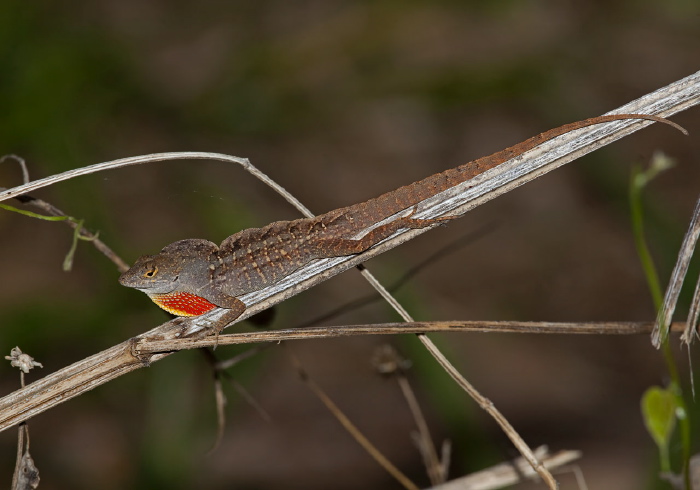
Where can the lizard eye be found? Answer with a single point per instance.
(151, 272)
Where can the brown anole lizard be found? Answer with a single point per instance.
(194, 276)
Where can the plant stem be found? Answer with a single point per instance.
(638, 182)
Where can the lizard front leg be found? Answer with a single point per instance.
(337, 247)
(234, 308)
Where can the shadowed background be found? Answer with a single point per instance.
(339, 101)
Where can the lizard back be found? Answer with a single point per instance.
(254, 258)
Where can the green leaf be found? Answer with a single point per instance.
(659, 411)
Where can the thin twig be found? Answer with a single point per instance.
(488, 406)
(22, 165)
(219, 371)
(143, 350)
(141, 159)
(474, 326)
(351, 428)
(20, 452)
(388, 362)
(436, 471)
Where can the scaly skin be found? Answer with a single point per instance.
(191, 277)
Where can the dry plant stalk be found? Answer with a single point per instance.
(673, 291)
(506, 474)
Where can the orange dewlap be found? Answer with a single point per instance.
(183, 304)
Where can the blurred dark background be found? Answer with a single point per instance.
(339, 101)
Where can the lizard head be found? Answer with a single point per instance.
(153, 274)
(180, 266)
(174, 277)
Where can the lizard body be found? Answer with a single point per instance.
(191, 277)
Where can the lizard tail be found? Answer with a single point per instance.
(392, 202)
(476, 167)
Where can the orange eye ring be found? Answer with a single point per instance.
(151, 272)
